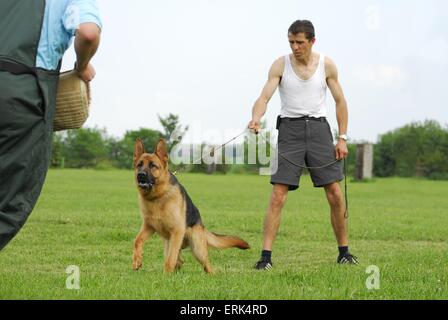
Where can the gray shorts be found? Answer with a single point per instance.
(305, 141)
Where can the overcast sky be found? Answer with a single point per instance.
(207, 61)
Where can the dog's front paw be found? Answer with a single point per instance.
(169, 269)
(179, 264)
(137, 263)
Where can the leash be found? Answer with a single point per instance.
(212, 152)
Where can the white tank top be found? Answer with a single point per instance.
(303, 97)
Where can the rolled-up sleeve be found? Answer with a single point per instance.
(81, 11)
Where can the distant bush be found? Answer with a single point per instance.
(417, 149)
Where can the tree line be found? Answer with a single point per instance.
(419, 149)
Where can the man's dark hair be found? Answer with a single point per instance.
(302, 26)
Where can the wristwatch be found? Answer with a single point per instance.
(343, 137)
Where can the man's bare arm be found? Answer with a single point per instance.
(261, 104)
(341, 105)
(87, 39)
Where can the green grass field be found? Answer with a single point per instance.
(89, 219)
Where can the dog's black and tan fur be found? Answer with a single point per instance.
(167, 210)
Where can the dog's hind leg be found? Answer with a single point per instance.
(173, 250)
(198, 243)
(142, 236)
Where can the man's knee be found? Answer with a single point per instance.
(279, 195)
(334, 193)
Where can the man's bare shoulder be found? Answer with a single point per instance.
(330, 67)
(280, 60)
(278, 66)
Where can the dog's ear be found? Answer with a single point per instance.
(139, 149)
(162, 151)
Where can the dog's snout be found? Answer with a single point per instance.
(145, 180)
(142, 175)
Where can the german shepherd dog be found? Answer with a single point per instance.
(167, 210)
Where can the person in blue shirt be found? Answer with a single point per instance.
(63, 20)
(34, 36)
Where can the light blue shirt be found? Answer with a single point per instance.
(62, 18)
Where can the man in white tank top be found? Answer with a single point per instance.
(305, 136)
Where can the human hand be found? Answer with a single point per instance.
(87, 74)
(254, 126)
(341, 149)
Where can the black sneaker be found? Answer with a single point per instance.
(347, 259)
(264, 264)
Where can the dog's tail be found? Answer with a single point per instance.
(221, 241)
